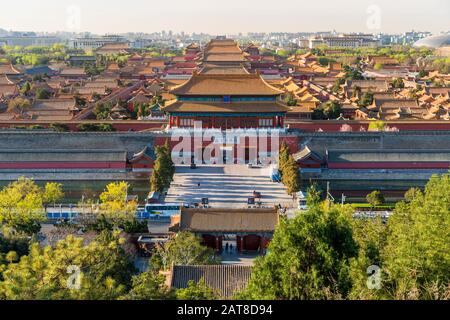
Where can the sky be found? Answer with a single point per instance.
(225, 16)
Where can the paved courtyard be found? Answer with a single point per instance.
(226, 186)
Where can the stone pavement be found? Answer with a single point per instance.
(226, 186)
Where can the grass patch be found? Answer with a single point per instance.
(369, 206)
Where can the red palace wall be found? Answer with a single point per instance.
(304, 125)
(389, 165)
(123, 125)
(63, 165)
(291, 141)
(335, 126)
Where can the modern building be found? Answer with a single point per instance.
(29, 40)
(345, 41)
(95, 42)
(436, 41)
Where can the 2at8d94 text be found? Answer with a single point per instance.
(246, 309)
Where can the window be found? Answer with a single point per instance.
(186, 122)
(266, 122)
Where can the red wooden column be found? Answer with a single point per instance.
(218, 243)
(238, 243)
(242, 244)
(261, 245)
(178, 121)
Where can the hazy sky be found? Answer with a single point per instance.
(225, 16)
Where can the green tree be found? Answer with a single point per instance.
(12, 242)
(308, 257)
(337, 85)
(313, 195)
(283, 156)
(352, 73)
(114, 206)
(80, 101)
(397, 83)
(422, 73)
(291, 176)
(21, 206)
(163, 170)
(411, 194)
(378, 66)
(42, 94)
(375, 198)
(103, 271)
(370, 235)
(184, 249)
(416, 258)
(282, 53)
(196, 291)
(59, 127)
(377, 125)
(366, 99)
(102, 110)
(328, 110)
(93, 127)
(20, 105)
(290, 100)
(25, 88)
(325, 61)
(148, 285)
(52, 192)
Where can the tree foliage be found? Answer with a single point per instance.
(148, 285)
(328, 110)
(21, 206)
(114, 206)
(163, 170)
(95, 127)
(291, 176)
(47, 273)
(196, 291)
(397, 83)
(184, 249)
(375, 198)
(19, 105)
(366, 99)
(377, 125)
(59, 127)
(308, 257)
(416, 258)
(42, 94)
(52, 192)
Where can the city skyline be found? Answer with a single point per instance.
(381, 16)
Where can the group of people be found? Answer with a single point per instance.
(229, 247)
